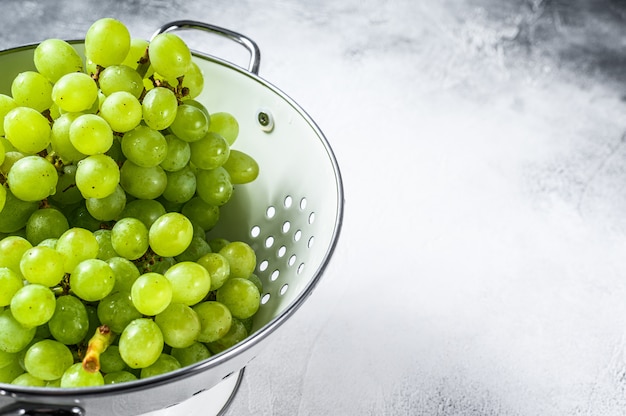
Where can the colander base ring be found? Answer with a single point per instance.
(212, 402)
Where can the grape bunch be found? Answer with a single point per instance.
(111, 175)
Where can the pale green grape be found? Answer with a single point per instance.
(193, 82)
(119, 377)
(118, 78)
(10, 282)
(241, 167)
(170, 234)
(45, 223)
(2, 154)
(109, 207)
(129, 237)
(201, 107)
(15, 213)
(241, 257)
(257, 282)
(190, 124)
(159, 107)
(144, 146)
(215, 320)
(14, 336)
(48, 359)
(226, 125)
(67, 192)
(125, 273)
(107, 42)
(181, 185)
(33, 305)
(202, 213)
(75, 92)
(141, 343)
(70, 322)
(105, 247)
(169, 55)
(32, 178)
(76, 245)
(94, 322)
(31, 89)
(145, 210)
(91, 134)
(151, 293)
(111, 360)
(97, 176)
(11, 372)
(179, 324)
(214, 186)
(54, 58)
(77, 376)
(3, 197)
(79, 217)
(218, 268)
(117, 311)
(197, 248)
(138, 48)
(196, 352)
(9, 158)
(122, 111)
(92, 280)
(29, 380)
(7, 104)
(27, 130)
(42, 265)
(142, 183)
(60, 138)
(235, 335)
(190, 282)
(12, 248)
(241, 297)
(178, 154)
(164, 364)
(210, 152)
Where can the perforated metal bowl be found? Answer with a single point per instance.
(291, 215)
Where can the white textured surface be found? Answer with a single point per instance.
(481, 266)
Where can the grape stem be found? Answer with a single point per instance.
(97, 345)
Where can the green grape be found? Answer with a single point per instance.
(9, 159)
(117, 78)
(42, 265)
(159, 107)
(77, 376)
(3, 197)
(7, 104)
(27, 130)
(48, 359)
(107, 42)
(257, 282)
(235, 335)
(54, 58)
(144, 146)
(170, 234)
(15, 213)
(159, 265)
(10, 282)
(2, 153)
(181, 186)
(117, 311)
(105, 247)
(91, 134)
(241, 257)
(218, 243)
(218, 268)
(141, 343)
(115, 151)
(210, 152)
(190, 123)
(197, 248)
(32, 178)
(33, 305)
(142, 183)
(169, 55)
(164, 364)
(190, 282)
(214, 186)
(28, 380)
(193, 82)
(76, 245)
(70, 322)
(60, 138)
(119, 377)
(200, 106)
(48, 242)
(226, 125)
(202, 213)
(151, 293)
(129, 237)
(97, 176)
(241, 297)
(31, 89)
(125, 273)
(179, 324)
(122, 111)
(215, 320)
(145, 210)
(75, 92)
(92, 280)
(45, 223)
(109, 207)
(111, 360)
(14, 336)
(79, 217)
(94, 322)
(241, 167)
(11, 372)
(138, 48)
(12, 248)
(178, 154)
(195, 353)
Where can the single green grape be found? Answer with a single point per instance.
(15, 213)
(48, 359)
(129, 237)
(178, 154)
(214, 186)
(54, 58)
(210, 152)
(46, 223)
(117, 311)
(33, 305)
(142, 183)
(14, 336)
(97, 176)
(116, 78)
(32, 178)
(125, 273)
(164, 364)
(159, 107)
(138, 48)
(235, 335)
(215, 320)
(151, 293)
(195, 353)
(197, 248)
(92, 280)
(169, 55)
(27, 129)
(202, 213)
(7, 104)
(119, 377)
(226, 125)
(42, 265)
(122, 110)
(241, 167)
(60, 138)
(218, 268)
(111, 361)
(31, 89)
(241, 297)
(74, 92)
(76, 245)
(109, 207)
(145, 210)
(141, 343)
(11, 372)
(12, 248)
(79, 217)
(170, 234)
(181, 185)
(190, 282)
(29, 380)
(67, 192)
(70, 322)
(241, 257)
(77, 376)
(179, 324)
(91, 134)
(10, 282)
(107, 42)
(190, 124)
(144, 146)
(105, 247)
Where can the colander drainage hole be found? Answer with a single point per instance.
(269, 241)
(286, 227)
(255, 231)
(292, 260)
(303, 203)
(288, 201)
(311, 218)
(274, 275)
(281, 251)
(265, 299)
(263, 265)
(297, 235)
(270, 212)
(283, 289)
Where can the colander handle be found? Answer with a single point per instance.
(249, 44)
(31, 409)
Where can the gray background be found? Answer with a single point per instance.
(481, 267)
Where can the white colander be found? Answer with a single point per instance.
(291, 215)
